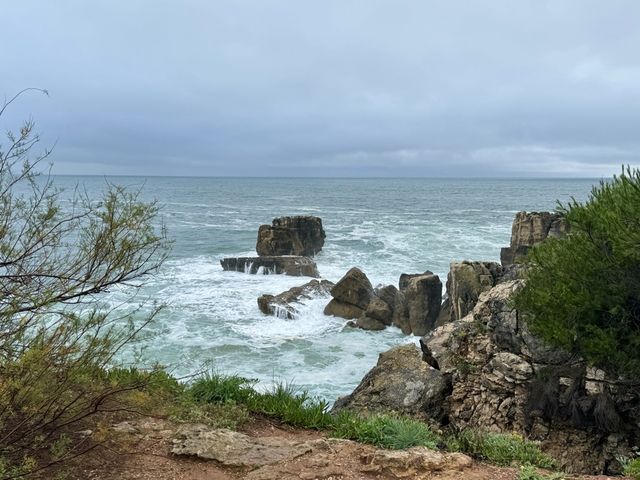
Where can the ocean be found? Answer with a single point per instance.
(384, 226)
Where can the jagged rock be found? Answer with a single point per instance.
(287, 264)
(445, 312)
(353, 288)
(466, 281)
(283, 304)
(299, 235)
(529, 229)
(400, 382)
(423, 299)
(368, 323)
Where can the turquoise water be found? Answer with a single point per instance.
(384, 226)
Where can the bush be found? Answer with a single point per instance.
(385, 431)
(631, 468)
(583, 290)
(56, 342)
(499, 448)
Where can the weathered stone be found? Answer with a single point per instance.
(466, 281)
(423, 299)
(236, 449)
(353, 288)
(299, 235)
(343, 310)
(401, 381)
(414, 463)
(529, 229)
(287, 264)
(284, 304)
(368, 323)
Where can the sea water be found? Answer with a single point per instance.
(384, 226)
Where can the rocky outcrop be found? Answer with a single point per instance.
(499, 377)
(284, 304)
(529, 229)
(269, 457)
(299, 235)
(287, 264)
(414, 309)
(351, 295)
(423, 299)
(402, 382)
(466, 281)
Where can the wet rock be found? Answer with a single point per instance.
(353, 288)
(340, 309)
(288, 264)
(423, 299)
(284, 304)
(298, 235)
(529, 229)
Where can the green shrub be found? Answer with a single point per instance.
(216, 388)
(583, 290)
(499, 448)
(631, 468)
(384, 431)
(530, 472)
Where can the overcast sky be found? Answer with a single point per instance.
(328, 88)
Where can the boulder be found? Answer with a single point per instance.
(423, 299)
(287, 264)
(284, 304)
(529, 229)
(340, 309)
(353, 288)
(400, 382)
(299, 235)
(466, 281)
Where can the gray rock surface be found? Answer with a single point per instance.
(284, 304)
(466, 281)
(298, 235)
(529, 229)
(288, 264)
(423, 299)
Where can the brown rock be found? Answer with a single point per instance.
(423, 298)
(466, 281)
(298, 235)
(353, 288)
(529, 229)
(343, 310)
(287, 264)
(284, 304)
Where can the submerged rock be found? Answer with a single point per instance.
(529, 229)
(287, 264)
(284, 304)
(298, 235)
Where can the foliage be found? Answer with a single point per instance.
(57, 255)
(631, 467)
(530, 472)
(385, 431)
(215, 388)
(583, 290)
(499, 448)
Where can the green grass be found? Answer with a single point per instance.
(215, 388)
(631, 468)
(384, 431)
(499, 448)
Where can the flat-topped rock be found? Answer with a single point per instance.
(293, 265)
(298, 235)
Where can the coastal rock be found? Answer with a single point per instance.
(287, 264)
(353, 288)
(529, 229)
(284, 304)
(340, 309)
(401, 382)
(423, 299)
(298, 235)
(466, 281)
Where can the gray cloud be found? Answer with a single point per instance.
(338, 87)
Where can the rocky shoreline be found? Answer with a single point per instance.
(478, 367)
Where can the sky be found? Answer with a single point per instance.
(541, 88)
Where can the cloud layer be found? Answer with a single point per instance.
(331, 88)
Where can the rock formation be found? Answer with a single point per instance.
(466, 281)
(287, 264)
(529, 229)
(299, 235)
(487, 371)
(414, 308)
(284, 304)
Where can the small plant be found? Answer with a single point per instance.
(530, 472)
(630, 467)
(498, 448)
(215, 388)
(385, 431)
